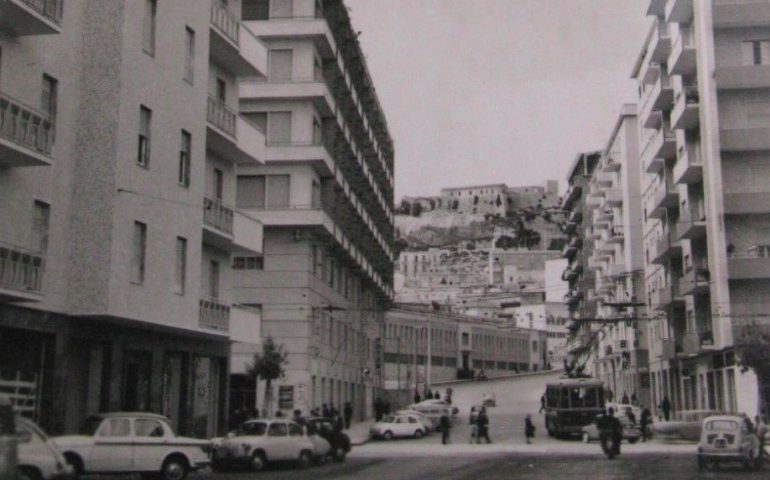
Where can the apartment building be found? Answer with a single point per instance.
(615, 231)
(423, 346)
(325, 198)
(118, 146)
(705, 97)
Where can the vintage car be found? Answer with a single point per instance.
(258, 442)
(39, 458)
(631, 432)
(728, 438)
(395, 426)
(338, 440)
(123, 442)
(429, 427)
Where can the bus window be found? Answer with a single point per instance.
(564, 398)
(552, 397)
(590, 399)
(575, 399)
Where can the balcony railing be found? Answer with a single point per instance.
(20, 269)
(222, 116)
(51, 9)
(225, 21)
(25, 125)
(214, 315)
(217, 215)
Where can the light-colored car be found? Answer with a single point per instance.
(39, 458)
(123, 442)
(434, 411)
(489, 400)
(398, 426)
(259, 442)
(631, 432)
(728, 438)
(429, 427)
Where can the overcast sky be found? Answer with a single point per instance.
(488, 91)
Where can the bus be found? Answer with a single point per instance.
(571, 404)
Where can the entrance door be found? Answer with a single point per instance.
(136, 381)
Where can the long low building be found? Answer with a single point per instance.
(457, 346)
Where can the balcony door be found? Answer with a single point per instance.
(214, 279)
(279, 128)
(279, 64)
(281, 8)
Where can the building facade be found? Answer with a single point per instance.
(117, 157)
(325, 198)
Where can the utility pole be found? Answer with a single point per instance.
(429, 360)
(398, 375)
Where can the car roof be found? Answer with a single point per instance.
(735, 418)
(132, 414)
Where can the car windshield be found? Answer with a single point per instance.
(90, 426)
(389, 420)
(252, 428)
(722, 425)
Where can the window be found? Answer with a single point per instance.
(115, 427)
(189, 55)
(277, 430)
(144, 427)
(258, 119)
(139, 252)
(278, 191)
(181, 265)
(219, 179)
(317, 133)
(260, 191)
(279, 127)
(221, 90)
(40, 222)
(184, 160)
(248, 263)
(295, 430)
(145, 124)
(255, 10)
(48, 99)
(281, 8)
(214, 279)
(148, 26)
(756, 52)
(279, 63)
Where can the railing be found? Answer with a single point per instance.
(20, 269)
(221, 115)
(225, 21)
(51, 9)
(214, 315)
(217, 215)
(25, 125)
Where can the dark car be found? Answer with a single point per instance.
(338, 440)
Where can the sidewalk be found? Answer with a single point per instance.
(359, 432)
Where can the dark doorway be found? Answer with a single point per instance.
(136, 386)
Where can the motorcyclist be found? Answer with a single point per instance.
(611, 433)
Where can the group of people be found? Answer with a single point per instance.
(343, 419)
(434, 396)
(480, 426)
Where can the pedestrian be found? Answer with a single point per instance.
(279, 414)
(299, 418)
(417, 398)
(644, 422)
(445, 427)
(529, 428)
(474, 416)
(542, 404)
(625, 400)
(378, 409)
(333, 411)
(633, 399)
(609, 395)
(325, 411)
(429, 396)
(630, 416)
(761, 434)
(483, 425)
(665, 405)
(347, 410)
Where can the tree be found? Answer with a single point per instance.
(505, 242)
(269, 365)
(753, 352)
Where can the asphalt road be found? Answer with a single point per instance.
(519, 466)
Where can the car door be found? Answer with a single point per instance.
(151, 440)
(278, 444)
(400, 426)
(113, 447)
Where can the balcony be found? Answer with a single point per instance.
(682, 60)
(679, 11)
(21, 274)
(688, 168)
(649, 72)
(668, 350)
(656, 8)
(217, 223)
(686, 113)
(690, 226)
(745, 139)
(236, 49)
(666, 196)
(746, 203)
(696, 342)
(214, 315)
(618, 234)
(571, 196)
(231, 136)
(666, 248)
(660, 43)
(572, 298)
(660, 147)
(30, 17)
(640, 360)
(575, 216)
(694, 282)
(613, 198)
(753, 265)
(315, 89)
(741, 13)
(741, 77)
(658, 98)
(26, 134)
(616, 270)
(248, 234)
(667, 297)
(569, 251)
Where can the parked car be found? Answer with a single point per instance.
(429, 427)
(728, 438)
(258, 442)
(489, 400)
(339, 441)
(39, 458)
(122, 442)
(8, 439)
(394, 426)
(631, 432)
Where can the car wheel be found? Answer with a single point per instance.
(76, 462)
(174, 468)
(586, 437)
(633, 440)
(322, 459)
(418, 434)
(305, 459)
(258, 461)
(339, 455)
(387, 435)
(28, 473)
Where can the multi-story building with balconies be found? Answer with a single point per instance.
(119, 140)
(704, 118)
(325, 198)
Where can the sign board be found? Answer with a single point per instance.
(286, 397)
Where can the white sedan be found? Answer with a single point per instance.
(39, 459)
(133, 442)
(422, 417)
(394, 426)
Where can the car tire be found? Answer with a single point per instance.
(258, 461)
(28, 473)
(339, 455)
(174, 468)
(633, 440)
(418, 434)
(76, 462)
(388, 435)
(305, 459)
(586, 437)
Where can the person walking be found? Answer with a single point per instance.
(325, 411)
(445, 427)
(347, 410)
(665, 405)
(529, 428)
(624, 400)
(483, 425)
(761, 426)
(645, 421)
(474, 416)
(417, 398)
(542, 404)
